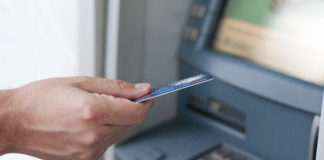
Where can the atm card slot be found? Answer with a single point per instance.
(219, 112)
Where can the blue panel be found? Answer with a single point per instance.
(280, 88)
(243, 74)
(273, 130)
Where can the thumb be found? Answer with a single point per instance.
(142, 89)
(116, 88)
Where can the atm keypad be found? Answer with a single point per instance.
(191, 33)
(198, 10)
(222, 153)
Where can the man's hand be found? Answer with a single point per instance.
(69, 118)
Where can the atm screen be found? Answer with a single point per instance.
(283, 35)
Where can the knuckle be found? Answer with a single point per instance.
(88, 113)
(148, 105)
(138, 113)
(87, 156)
(84, 78)
(119, 84)
(80, 81)
(140, 117)
(90, 139)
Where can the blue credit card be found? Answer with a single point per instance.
(175, 86)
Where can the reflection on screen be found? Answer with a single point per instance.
(284, 35)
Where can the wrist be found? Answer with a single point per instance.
(6, 97)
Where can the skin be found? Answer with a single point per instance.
(69, 118)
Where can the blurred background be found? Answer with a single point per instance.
(46, 38)
(271, 49)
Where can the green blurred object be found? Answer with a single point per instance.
(253, 11)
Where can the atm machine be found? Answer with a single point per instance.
(252, 111)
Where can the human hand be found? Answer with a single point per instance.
(69, 118)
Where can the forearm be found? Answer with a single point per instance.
(5, 100)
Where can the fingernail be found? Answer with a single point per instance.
(142, 85)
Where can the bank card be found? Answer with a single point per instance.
(175, 86)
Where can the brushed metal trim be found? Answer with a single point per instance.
(314, 130)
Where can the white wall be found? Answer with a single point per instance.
(37, 40)
(44, 38)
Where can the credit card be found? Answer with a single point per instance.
(175, 86)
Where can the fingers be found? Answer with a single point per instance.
(124, 112)
(111, 104)
(116, 88)
(110, 110)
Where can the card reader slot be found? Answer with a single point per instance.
(218, 118)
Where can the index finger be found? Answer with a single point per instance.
(119, 111)
(117, 88)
